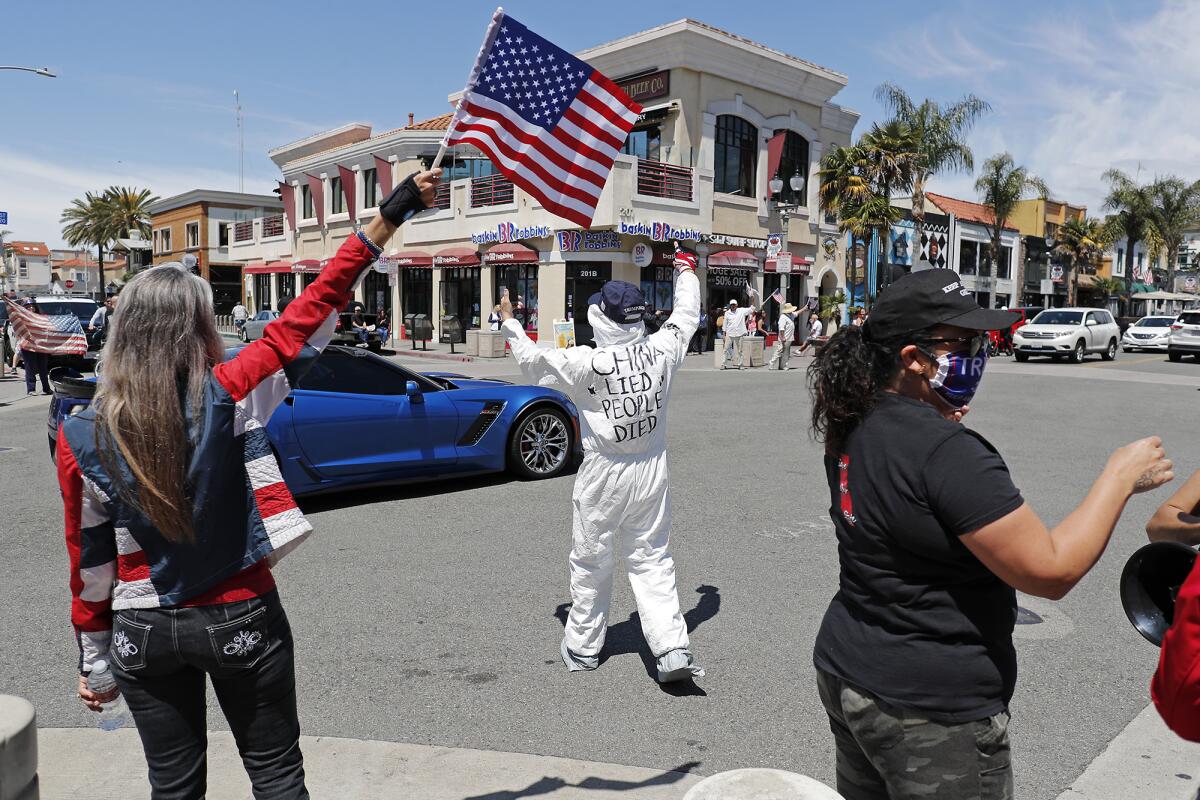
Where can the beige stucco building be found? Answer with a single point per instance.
(695, 168)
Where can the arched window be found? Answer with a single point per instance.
(793, 160)
(736, 157)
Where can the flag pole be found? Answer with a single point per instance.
(472, 80)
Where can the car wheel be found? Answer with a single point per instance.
(244, 336)
(1111, 352)
(1021, 357)
(540, 446)
(1175, 355)
(1078, 353)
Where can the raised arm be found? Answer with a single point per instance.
(541, 365)
(1176, 519)
(263, 373)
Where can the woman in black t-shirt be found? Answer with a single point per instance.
(915, 660)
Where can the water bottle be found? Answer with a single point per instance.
(113, 713)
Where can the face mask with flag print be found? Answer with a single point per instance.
(958, 376)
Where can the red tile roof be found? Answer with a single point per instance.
(438, 123)
(28, 248)
(75, 262)
(965, 210)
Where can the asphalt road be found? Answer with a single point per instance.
(430, 614)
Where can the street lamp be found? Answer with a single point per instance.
(796, 183)
(43, 71)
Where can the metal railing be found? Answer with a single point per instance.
(225, 324)
(273, 225)
(243, 231)
(656, 179)
(442, 198)
(494, 190)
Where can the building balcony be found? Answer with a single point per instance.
(657, 179)
(494, 190)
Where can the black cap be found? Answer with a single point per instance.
(921, 300)
(620, 301)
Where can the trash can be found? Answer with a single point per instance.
(419, 329)
(452, 331)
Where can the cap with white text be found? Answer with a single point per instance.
(921, 300)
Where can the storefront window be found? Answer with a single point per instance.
(306, 203)
(262, 291)
(370, 188)
(416, 291)
(287, 285)
(658, 287)
(968, 257)
(644, 143)
(793, 161)
(375, 291)
(460, 294)
(455, 168)
(307, 278)
(736, 157)
(522, 283)
(725, 284)
(337, 199)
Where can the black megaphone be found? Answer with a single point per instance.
(1150, 583)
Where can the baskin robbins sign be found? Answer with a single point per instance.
(507, 232)
(660, 232)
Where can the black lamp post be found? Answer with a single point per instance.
(796, 183)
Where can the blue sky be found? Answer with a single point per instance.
(145, 93)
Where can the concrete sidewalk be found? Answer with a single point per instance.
(85, 762)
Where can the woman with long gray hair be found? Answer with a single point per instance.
(176, 511)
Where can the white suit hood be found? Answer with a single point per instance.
(608, 333)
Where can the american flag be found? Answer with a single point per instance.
(777, 296)
(547, 120)
(58, 335)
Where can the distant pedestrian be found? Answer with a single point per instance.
(814, 330)
(240, 315)
(860, 317)
(494, 319)
(37, 363)
(783, 342)
(735, 332)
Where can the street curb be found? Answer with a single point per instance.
(86, 762)
(18, 749)
(436, 356)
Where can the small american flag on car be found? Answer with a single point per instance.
(60, 335)
(549, 121)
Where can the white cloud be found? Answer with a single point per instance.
(1084, 95)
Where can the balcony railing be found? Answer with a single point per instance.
(442, 198)
(273, 226)
(243, 231)
(656, 179)
(494, 190)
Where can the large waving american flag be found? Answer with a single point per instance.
(60, 335)
(547, 120)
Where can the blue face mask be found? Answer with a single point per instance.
(958, 376)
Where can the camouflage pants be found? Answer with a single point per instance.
(889, 753)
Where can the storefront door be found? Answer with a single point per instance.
(522, 283)
(262, 292)
(226, 284)
(416, 292)
(375, 291)
(584, 279)
(460, 296)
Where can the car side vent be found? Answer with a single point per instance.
(487, 417)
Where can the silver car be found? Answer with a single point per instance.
(253, 329)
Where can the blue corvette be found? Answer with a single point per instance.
(357, 419)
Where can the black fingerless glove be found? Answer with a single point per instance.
(403, 202)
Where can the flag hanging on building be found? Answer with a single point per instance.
(551, 123)
(60, 335)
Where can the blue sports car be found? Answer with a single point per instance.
(357, 419)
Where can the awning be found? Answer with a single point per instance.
(510, 253)
(1141, 287)
(411, 258)
(734, 259)
(261, 268)
(456, 257)
(799, 264)
(307, 265)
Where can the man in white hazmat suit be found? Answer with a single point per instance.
(621, 497)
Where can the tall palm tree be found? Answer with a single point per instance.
(1131, 201)
(892, 160)
(1080, 242)
(1002, 184)
(940, 132)
(89, 221)
(1174, 208)
(129, 208)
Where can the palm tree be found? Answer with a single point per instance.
(1131, 201)
(892, 159)
(1080, 241)
(940, 132)
(89, 221)
(1109, 287)
(1174, 208)
(1002, 185)
(129, 208)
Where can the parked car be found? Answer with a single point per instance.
(1068, 332)
(344, 333)
(57, 305)
(1184, 336)
(253, 329)
(359, 420)
(1147, 333)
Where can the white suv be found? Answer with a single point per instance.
(1070, 332)
(1185, 336)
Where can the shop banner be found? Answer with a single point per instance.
(564, 333)
(774, 244)
(508, 232)
(579, 241)
(660, 232)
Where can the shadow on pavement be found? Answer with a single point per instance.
(626, 637)
(546, 785)
(349, 498)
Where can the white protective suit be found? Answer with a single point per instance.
(621, 497)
